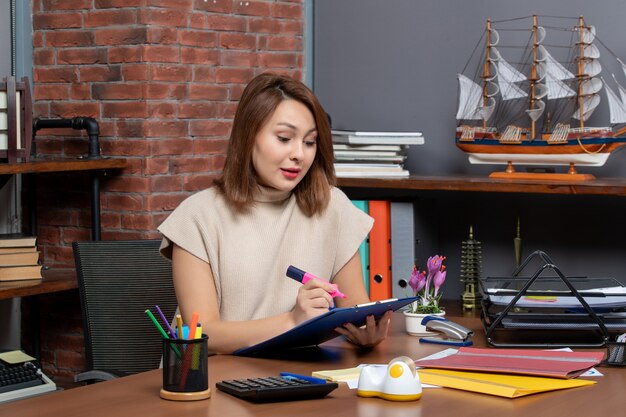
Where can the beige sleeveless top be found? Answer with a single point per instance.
(249, 253)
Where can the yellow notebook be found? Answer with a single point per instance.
(503, 385)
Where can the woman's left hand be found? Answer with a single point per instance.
(371, 334)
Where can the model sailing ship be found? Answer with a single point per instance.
(535, 112)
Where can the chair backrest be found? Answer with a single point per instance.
(118, 281)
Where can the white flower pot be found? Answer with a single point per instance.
(414, 324)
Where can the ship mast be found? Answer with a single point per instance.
(486, 70)
(533, 76)
(581, 68)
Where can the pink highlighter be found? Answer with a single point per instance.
(304, 277)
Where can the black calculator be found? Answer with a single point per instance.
(276, 388)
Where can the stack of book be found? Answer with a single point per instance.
(372, 154)
(19, 257)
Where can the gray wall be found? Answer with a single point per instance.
(392, 65)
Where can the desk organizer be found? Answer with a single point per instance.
(615, 354)
(551, 311)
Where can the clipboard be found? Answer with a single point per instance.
(322, 328)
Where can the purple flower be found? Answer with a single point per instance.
(427, 285)
(438, 280)
(417, 280)
(434, 264)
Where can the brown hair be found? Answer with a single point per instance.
(258, 102)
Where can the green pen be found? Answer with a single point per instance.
(160, 329)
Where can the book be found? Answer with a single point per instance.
(402, 247)
(18, 273)
(347, 166)
(364, 248)
(372, 174)
(368, 154)
(18, 249)
(19, 258)
(16, 240)
(380, 251)
(364, 158)
(544, 363)
(365, 133)
(502, 385)
(377, 138)
(369, 148)
(354, 170)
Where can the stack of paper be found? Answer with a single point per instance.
(339, 375)
(501, 379)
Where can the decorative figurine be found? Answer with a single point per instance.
(470, 271)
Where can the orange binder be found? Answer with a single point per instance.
(380, 250)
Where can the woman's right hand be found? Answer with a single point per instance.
(313, 300)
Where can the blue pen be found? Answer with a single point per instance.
(289, 375)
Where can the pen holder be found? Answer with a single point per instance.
(185, 369)
(615, 354)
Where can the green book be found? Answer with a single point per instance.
(364, 249)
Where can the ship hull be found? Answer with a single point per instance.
(585, 152)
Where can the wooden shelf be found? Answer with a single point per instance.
(61, 165)
(605, 186)
(54, 280)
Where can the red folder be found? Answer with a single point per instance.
(380, 250)
(550, 363)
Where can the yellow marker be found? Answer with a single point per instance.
(179, 325)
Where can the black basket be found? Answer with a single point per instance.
(615, 354)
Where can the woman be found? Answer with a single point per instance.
(274, 206)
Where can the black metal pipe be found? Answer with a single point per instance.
(89, 124)
(95, 206)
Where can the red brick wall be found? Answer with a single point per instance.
(162, 77)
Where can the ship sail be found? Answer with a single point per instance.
(536, 113)
(589, 104)
(617, 110)
(471, 101)
(591, 67)
(622, 90)
(623, 66)
(553, 73)
(507, 76)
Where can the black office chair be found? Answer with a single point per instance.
(118, 281)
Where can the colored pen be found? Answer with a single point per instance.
(289, 375)
(304, 277)
(167, 325)
(185, 335)
(192, 326)
(156, 324)
(179, 325)
(160, 329)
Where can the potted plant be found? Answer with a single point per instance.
(425, 284)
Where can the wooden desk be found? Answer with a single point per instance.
(53, 280)
(138, 395)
